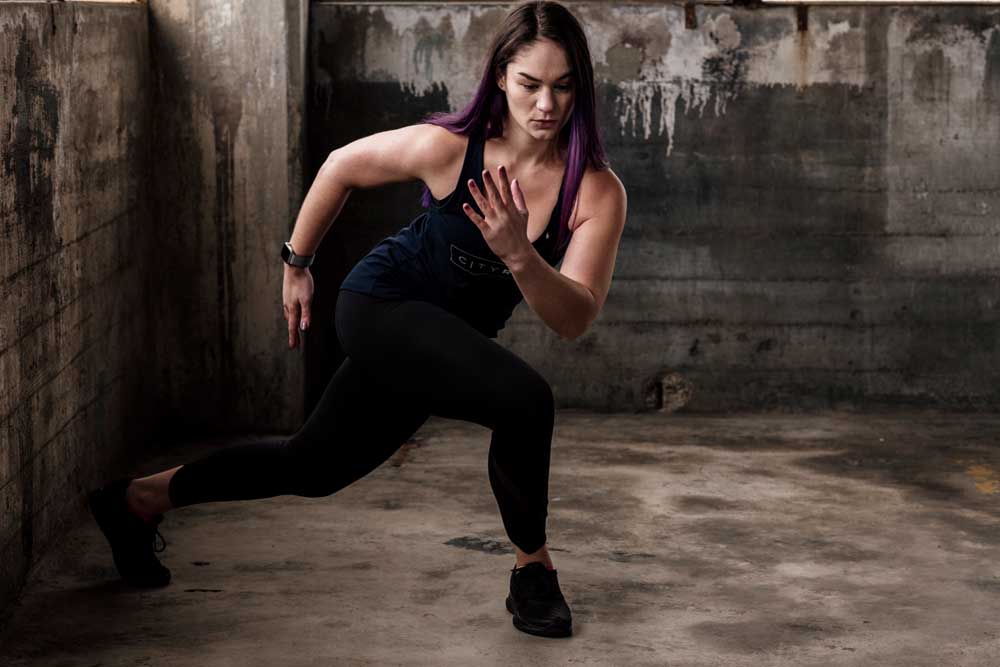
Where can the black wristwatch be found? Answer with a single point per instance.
(290, 258)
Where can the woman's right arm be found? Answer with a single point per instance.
(392, 156)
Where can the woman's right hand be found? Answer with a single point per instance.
(296, 296)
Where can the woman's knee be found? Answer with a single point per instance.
(529, 394)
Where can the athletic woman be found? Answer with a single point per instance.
(428, 302)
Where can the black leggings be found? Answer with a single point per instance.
(406, 360)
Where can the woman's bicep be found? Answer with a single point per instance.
(393, 156)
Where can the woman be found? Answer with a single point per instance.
(427, 302)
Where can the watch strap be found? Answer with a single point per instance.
(290, 258)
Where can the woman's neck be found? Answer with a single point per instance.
(521, 149)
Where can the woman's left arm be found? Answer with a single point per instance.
(569, 300)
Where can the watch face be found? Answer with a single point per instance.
(290, 258)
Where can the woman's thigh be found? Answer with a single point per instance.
(433, 360)
(355, 426)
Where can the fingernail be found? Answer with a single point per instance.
(302, 325)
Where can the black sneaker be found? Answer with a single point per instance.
(132, 539)
(537, 603)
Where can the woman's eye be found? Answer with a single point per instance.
(530, 87)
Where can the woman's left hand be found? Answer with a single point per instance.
(505, 225)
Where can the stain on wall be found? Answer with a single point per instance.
(74, 324)
(28, 163)
(228, 183)
(150, 167)
(811, 214)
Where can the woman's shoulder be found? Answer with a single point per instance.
(442, 133)
(600, 189)
(442, 153)
(603, 180)
(443, 144)
(444, 156)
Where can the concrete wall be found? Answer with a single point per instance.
(226, 184)
(74, 324)
(812, 214)
(150, 167)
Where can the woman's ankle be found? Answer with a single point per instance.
(539, 556)
(134, 503)
(150, 496)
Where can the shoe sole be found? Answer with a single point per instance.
(541, 631)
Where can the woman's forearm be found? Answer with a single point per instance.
(323, 203)
(565, 305)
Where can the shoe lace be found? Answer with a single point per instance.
(156, 533)
(161, 539)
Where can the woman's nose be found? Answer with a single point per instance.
(545, 101)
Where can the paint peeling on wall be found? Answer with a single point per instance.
(419, 48)
(656, 65)
(712, 63)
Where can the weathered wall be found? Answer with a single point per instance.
(150, 167)
(812, 215)
(226, 184)
(74, 337)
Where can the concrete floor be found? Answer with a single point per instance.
(822, 539)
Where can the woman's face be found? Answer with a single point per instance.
(539, 86)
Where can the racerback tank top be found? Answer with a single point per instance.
(441, 257)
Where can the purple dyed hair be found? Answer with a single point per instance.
(487, 111)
